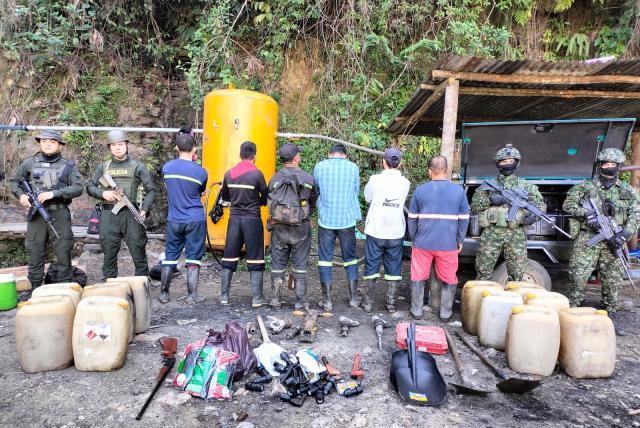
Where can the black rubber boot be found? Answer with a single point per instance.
(193, 276)
(165, 282)
(447, 296)
(276, 289)
(369, 295)
(354, 299)
(417, 296)
(325, 303)
(301, 294)
(225, 284)
(616, 324)
(255, 277)
(392, 291)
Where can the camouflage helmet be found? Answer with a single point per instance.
(49, 135)
(508, 152)
(611, 155)
(116, 136)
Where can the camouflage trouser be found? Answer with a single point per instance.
(492, 242)
(584, 260)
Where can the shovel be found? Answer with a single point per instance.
(268, 353)
(465, 387)
(415, 376)
(508, 384)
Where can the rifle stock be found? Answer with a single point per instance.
(169, 348)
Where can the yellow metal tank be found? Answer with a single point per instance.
(231, 117)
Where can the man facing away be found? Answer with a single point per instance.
(385, 228)
(292, 197)
(338, 181)
(246, 190)
(186, 228)
(438, 221)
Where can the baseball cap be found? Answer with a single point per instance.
(288, 151)
(392, 155)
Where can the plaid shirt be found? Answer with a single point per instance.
(338, 182)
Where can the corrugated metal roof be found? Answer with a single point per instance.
(476, 107)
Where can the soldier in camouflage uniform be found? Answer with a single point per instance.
(128, 173)
(498, 235)
(58, 181)
(618, 200)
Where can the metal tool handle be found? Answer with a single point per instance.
(480, 355)
(263, 330)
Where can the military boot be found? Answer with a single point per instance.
(392, 291)
(325, 303)
(354, 299)
(276, 289)
(447, 296)
(616, 324)
(193, 276)
(225, 284)
(417, 296)
(255, 277)
(165, 283)
(301, 294)
(369, 295)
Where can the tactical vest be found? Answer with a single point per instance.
(616, 200)
(45, 175)
(123, 174)
(497, 215)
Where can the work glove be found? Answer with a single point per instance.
(591, 219)
(529, 219)
(619, 239)
(498, 199)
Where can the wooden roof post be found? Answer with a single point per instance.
(449, 121)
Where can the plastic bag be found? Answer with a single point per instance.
(234, 339)
(268, 354)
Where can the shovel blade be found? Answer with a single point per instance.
(518, 386)
(467, 389)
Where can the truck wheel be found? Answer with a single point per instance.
(534, 273)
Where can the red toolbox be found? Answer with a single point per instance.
(429, 338)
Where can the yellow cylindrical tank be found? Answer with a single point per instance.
(231, 117)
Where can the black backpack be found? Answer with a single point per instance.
(285, 206)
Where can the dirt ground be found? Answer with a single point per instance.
(70, 398)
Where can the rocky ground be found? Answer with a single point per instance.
(77, 399)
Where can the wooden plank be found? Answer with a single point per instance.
(635, 175)
(17, 230)
(541, 92)
(20, 273)
(535, 78)
(449, 122)
(435, 96)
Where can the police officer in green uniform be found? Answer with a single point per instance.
(498, 234)
(616, 199)
(57, 181)
(128, 174)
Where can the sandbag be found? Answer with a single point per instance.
(234, 339)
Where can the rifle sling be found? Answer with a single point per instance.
(64, 175)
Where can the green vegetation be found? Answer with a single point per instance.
(361, 59)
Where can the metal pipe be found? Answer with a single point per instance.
(288, 135)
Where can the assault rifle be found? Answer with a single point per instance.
(169, 348)
(107, 181)
(607, 228)
(518, 200)
(37, 207)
